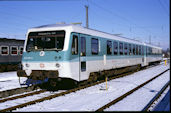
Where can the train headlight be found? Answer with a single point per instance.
(27, 65)
(57, 65)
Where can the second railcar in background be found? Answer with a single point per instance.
(11, 51)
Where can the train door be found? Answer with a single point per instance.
(75, 64)
(144, 56)
(82, 55)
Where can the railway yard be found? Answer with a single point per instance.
(55, 62)
(137, 91)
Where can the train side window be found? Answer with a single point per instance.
(94, 46)
(14, 50)
(115, 47)
(133, 49)
(139, 50)
(83, 46)
(21, 50)
(142, 50)
(109, 47)
(136, 49)
(121, 48)
(130, 49)
(125, 48)
(4, 50)
(74, 45)
(148, 50)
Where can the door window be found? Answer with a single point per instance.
(83, 46)
(74, 45)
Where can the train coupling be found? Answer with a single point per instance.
(21, 73)
(30, 82)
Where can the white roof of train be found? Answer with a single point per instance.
(80, 29)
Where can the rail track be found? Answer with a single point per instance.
(149, 105)
(15, 91)
(128, 93)
(7, 93)
(55, 95)
(22, 96)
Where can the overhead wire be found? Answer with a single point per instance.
(109, 22)
(163, 7)
(119, 16)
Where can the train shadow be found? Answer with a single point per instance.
(63, 85)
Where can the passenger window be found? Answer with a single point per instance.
(139, 50)
(125, 48)
(83, 46)
(94, 46)
(21, 50)
(136, 49)
(109, 47)
(115, 47)
(74, 45)
(133, 49)
(4, 50)
(14, 50)
(130, 49)
(142, 50)
(121, 48)
(149, 51)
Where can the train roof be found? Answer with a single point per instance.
(9, 39)
(88, 31)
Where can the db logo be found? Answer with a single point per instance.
(42, 53)
(42, 65)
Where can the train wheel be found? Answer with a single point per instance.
(93, 77)
(52, 84)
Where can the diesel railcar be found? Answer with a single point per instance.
(11, 51)
(58, 52)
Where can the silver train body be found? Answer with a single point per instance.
(73, 52)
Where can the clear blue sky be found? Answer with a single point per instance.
(136, 19)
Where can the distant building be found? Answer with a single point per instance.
(166, 53)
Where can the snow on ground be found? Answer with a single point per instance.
(8, 104)
(9, 80)
(143, 95)
(92, 98)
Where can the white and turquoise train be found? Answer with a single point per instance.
(55, 52)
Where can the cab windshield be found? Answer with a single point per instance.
(47, 40)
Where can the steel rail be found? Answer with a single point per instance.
(64, 93)
(146, 108)
(128, 93)
(61, 94)
(22, 96)
(11, 92)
